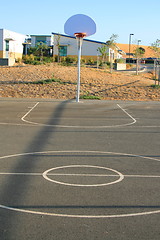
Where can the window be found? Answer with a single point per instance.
(63, 51)
(40, 39)
(7, 45)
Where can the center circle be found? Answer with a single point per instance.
(103, 215)
(83, 175)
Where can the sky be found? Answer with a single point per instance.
(121, 17)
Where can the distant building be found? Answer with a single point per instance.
(12, 46)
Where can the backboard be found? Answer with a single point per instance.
(80, 24)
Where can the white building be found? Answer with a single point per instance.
(12, 45)
(67, 46)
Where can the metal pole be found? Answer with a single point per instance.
(79, 39)
(158, 75)
(131, 34)
(129, 46)
(137, 58)
(97, 60)
(111, 59)
(137, 63)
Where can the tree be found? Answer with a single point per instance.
(41, 48)
(32, 50)
(156, 48)
(57, 43)
(138, 53)
(103, 51)
(111, 43)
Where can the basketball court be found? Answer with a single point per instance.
(87, 170)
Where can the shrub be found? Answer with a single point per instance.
(87, 95)
(104, 65)
(28, 59)
(47, 59)
(155, 86)
(83, 60)
(35, 60)
(18, 60)
(90, 61)
(90, 97)
(120, 60)
(129, 65)
(70, 59)
(56, 58)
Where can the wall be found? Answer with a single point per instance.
(1, 54)
(16, 41)
(7, 62)
(1, 43)
(1, 40)
(120, 66)
(33, 41)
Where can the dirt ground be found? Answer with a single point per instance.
(94, 82)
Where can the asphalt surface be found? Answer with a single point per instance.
(88, 170)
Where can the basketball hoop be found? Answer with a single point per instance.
(80, 35)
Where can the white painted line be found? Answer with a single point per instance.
(134, 120)
(72, 126)
(75, 126)
(38, 125)
(102, 175)
(147, 126)
(143, 176)
(22, 174)
(80, 174)
(80, 216)
(15, 124)
(77, 151)
(119, 175)
(23, 118)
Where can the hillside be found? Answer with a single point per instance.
(21, 82)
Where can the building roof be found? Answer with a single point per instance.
(148, 51)
(67, 36)
(40, 35)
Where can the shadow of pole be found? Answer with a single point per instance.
(14, 189)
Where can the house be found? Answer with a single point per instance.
(12, 46)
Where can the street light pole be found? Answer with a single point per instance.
(137, 60)
(131, 34)
(139, 42)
